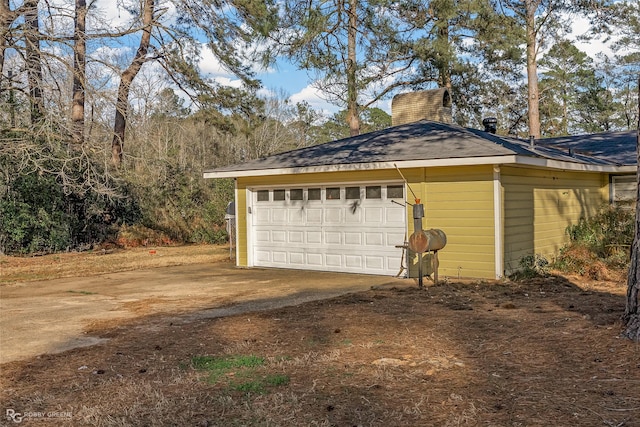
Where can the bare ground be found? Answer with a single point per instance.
(536, 353)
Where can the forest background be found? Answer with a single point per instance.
(105, 128)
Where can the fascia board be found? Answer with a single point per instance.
(463, 161)
(466, 161)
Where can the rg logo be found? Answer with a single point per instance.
(14, 416)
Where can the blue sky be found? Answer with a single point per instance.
(284, 77)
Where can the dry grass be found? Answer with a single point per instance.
(535, 353)
(74, 264)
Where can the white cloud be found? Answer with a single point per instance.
(313, 97)
(580, 27)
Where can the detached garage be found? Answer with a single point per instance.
(345, 205)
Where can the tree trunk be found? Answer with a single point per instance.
(353, 118)
(122, 102)
(79, 68)
(6, 18)
(532, 69)
(33, 60)
(631, 316)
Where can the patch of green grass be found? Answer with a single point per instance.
(219, 366)
(277, 380)
(240, 367)
(260, 385)
(81, 292)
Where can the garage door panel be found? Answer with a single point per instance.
(333, 216)
(333, 260)
(279, 236)
(395, 216)
(263, 256)
(315, 259)
(263, 236)
(279, 257)
(374, 239)
(352, 238)
(332, 237)
(374, 262)
(296, 237)
(353, 215)
(262, 216)
(278, 216)
(350, 235)
(373, 216)
(353, 261)
(314, 237)
(296, 258)
(314, 216)
(296, 216)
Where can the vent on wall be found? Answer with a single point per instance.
(424, 105)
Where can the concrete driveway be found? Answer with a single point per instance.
(56, 315)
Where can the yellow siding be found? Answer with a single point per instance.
(459, 201)
(540, 204)
(241, 225)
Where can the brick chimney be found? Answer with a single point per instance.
(432, 105)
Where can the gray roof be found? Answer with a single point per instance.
(428, 140)
(618, 148)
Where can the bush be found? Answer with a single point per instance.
(599, 245)
(532, 266)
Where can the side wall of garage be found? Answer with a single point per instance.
(540, 204)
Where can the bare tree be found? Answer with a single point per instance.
(7, 16)
(130, 73)
(33, 60)
(79, 71)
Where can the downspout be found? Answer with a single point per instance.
(497, 223)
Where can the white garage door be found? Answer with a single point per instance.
(350, 228)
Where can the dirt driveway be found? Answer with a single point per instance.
(56, 315)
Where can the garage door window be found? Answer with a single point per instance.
(395, 192)
(278, 195)
(314, 194)
(352, 192)
(374, 192)
(295, 194)
(333, 193)
(263, 195)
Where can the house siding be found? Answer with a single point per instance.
(459, 201)
(540, 204)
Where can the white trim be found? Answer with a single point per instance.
(463, 161)
(323, 184)
(570, 166)
(249, 224)
(497, 223)
(235, 191)
(363, 166)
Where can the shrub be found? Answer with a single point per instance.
(598, 246)
(532, 266)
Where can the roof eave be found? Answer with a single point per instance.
(464, 161)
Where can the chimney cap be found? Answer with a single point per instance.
(490, 124)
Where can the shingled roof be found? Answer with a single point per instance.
(426, 143)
